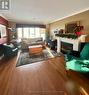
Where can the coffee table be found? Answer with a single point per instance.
(35, 49)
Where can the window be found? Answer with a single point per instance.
(42, 31)
(25, 32)
(37, 32)
(19, 32)
(31, 32)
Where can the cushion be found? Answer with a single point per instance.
(77, 65)
(85, 52)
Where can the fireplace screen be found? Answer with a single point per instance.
(66, 47)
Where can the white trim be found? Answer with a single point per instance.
(70, 15)
(3, 16)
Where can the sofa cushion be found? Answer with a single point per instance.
(78, 65)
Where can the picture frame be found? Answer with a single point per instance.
(3, 32)
(70, 27)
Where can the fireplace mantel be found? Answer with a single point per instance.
(74, 42)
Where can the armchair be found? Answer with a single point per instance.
(52, 44)
(9, 51)
(78, 61)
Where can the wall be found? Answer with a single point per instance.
(47, 32)
(12, 33)
(4, 22)
(82, 17)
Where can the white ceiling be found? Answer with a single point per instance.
(43, 11)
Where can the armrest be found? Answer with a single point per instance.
(15, 49)
(72, 54)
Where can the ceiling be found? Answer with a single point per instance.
(43, 11)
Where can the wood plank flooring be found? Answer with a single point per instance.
(41, 78)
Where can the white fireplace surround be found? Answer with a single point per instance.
(75, 42)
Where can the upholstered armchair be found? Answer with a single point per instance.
(52, 44)
(9, 50)
(78, 61)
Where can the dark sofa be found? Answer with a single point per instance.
(78, 61)
(7, 51)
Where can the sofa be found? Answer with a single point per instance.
(78, 61)
(26, 42)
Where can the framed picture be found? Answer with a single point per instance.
(70, 27)
(3, 32)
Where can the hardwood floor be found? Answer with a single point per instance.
(41, 78)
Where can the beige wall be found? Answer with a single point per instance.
(82, 17)
(11, 33)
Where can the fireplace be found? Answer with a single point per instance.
(66, 47)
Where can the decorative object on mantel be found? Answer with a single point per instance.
(76, 33)
(70, 27)
(61, 31)
(78, 30)
(58, 31)
(73, 36)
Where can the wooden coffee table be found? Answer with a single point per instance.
(36, 49)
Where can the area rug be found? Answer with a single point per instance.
(26, 58)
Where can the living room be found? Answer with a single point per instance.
(44, 51)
